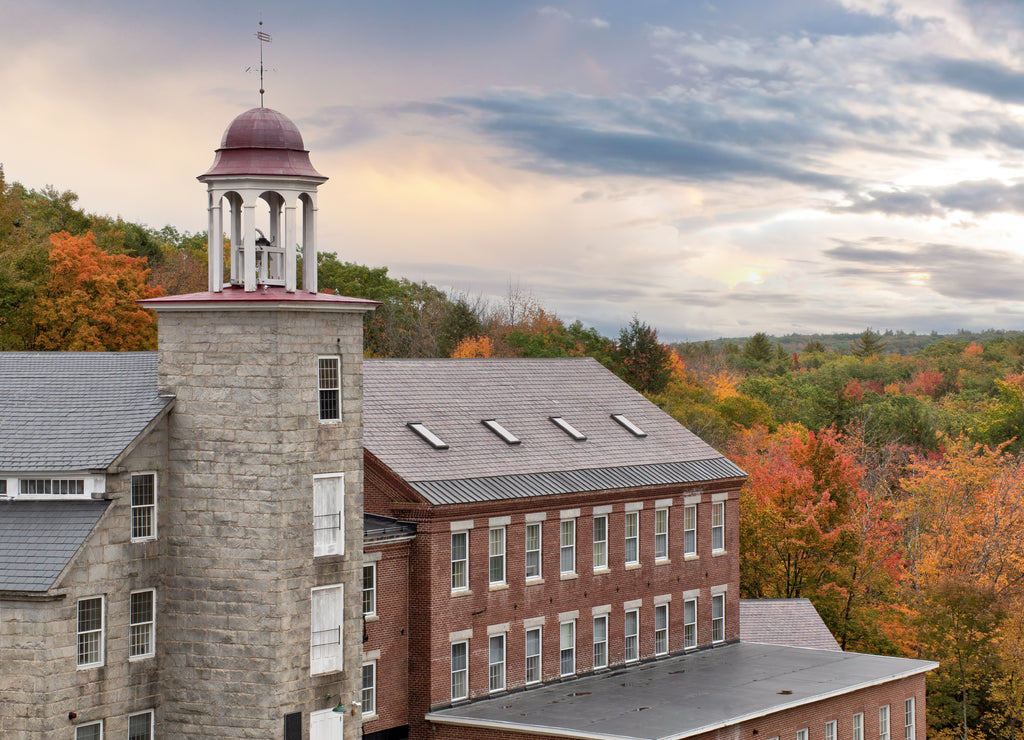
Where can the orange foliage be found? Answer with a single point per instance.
(474, 347)
(724, 384)
(973, 349)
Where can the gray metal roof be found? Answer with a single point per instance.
(453, 397)
(74, 410)
(39, 538)
(378, 528)
(793, 622)
(685, 695)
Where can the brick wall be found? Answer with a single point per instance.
(387, 635)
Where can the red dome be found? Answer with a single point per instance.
(262, 141)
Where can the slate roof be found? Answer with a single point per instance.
(685, 695)
(74, 410)
(39, 538)
(453, 397)
(792, 622)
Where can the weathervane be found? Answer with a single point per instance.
(265, 38)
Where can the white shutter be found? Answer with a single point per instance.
(326, 725)
(328, 515)
(326, 639)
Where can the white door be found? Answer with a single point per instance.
(325, 725)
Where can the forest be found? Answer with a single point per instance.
(886, 481)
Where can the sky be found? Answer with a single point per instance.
(712, 167)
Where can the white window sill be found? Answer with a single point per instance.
(369, 717)
(535, 581)
(140, 658)
(718, 553)
(371, 617)
(663, 561)
(690, 556)
(632, 566)
(569, 576)
(602, 571)
(498, 587)
(462, 592)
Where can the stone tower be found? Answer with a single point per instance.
(262, 517)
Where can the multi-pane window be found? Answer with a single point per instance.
(718, 618)
(460, 561)
(801, 734)
(567, 648)
(90, 632)
(567, 550)
(330, 388)
(328, 514)
(533, 550)
(142, 624)
(144, 506)
(369, 589)
(632, 635)
(689, 530)
(661, 629)
(858, 726)
(496, 662)
(690, 623)
(52, 487)
(883, 722)
(91, 731)
(325, 643)
(601, 641)
(533, 655)
(830, 730)
(632, 537)
(600, 542)
(718, 526)
(460, 670)
(909, 732)
(368, 700)
(496, 556)
(140, 726)
(660, 534)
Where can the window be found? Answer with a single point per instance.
(567, 648)
(600, 542)
(801, 734)
(533, 550)
(858, 726)
(883, 722)
(689, 530)
(632, 537)
(140, 726)
(718, 526)
(328, 514)
(567, 552)
(496, 559)
(690, 623)
(660, 534)
(460, 561)
(633, 428)
(568, 428)
(368, 699)
(428, 436)
(632, 635)
(90, 632)
(325, 643)
(52, 487)
(330, 388)
(369, 589)
(908, 719)
(533, 655)
(460, 670)
(91, 731)
(501, 431)
(830, 730)
(143, 506)
(718, 618)
(142, 624)
(496, 662)
(661, 629)
(601, 641)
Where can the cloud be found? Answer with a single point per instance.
(978, 197)
(983, 77)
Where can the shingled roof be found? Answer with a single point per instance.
(74, 410)
(452, 398)
(792, 622)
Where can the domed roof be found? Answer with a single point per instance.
(262, 141)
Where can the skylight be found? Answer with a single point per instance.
(501, 431)
(568, 428)
(432, 439)
(629, 425)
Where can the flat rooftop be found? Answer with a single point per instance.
(684, 695)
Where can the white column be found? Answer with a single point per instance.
(290, 258)
(249, 240)
(309, 246)
(215, 243)
(236, 239)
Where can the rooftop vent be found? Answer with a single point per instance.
(568, 428)
(432, 439)
(629, 425)
(501, 431)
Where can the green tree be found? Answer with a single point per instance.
(868, 344)
(758, 348)
(641, 360)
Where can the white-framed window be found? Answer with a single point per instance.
(690, 530)
(661, 629)
(325, 640)
(601, 641)
(369, 589)
(533, 648)
(326, 724)
(567, 648)
(690, 623)
(142, 624)
(858, 726)
(567, 549)
(717, 617)
(460, 670)
(52, 487)
(909, 728)
(460, 561)
(90, 631)
(632, 635)
(600, 542)
(718, 526)
(496, 556)
(533, 535)
(660, 534)
(90, 731)
(496, 662)
(883, 722)
(328, 514)
(830, 730)
(330, 388)
(140, 726)
(801, 734)
(143, 507)
(632, 537)
(368, 699)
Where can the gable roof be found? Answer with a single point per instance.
(74, 410)
(39, 538)
(452, 398)
(792, 622)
